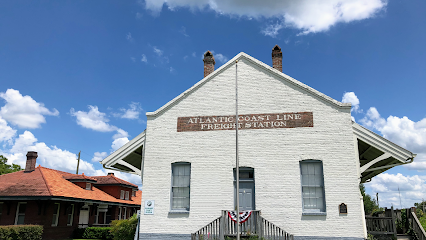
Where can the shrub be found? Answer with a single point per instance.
(97, 233)
(124, 229)
(93, 233)
(22, 232)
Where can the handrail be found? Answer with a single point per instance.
(417, 227)
(256, 225)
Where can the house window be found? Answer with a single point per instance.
(70, 214)
(134, 193)
(127, 195)
(181, 176)
(20, 213)
(122, 194)
(55, 217)
(120, 209)
(313, 196)
(88, 186)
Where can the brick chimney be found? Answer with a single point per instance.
(31, 161)
(208, 63)
(277, 58)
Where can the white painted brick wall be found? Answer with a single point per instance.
(273, 153)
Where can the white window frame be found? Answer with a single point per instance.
(88, 186)
(180, 210)
(17, 212)
(119, 213)
(127, 195)
(313, 211)
(125, 213)
(133, 193)
(72, 216)
(122, 194)
(54, 224)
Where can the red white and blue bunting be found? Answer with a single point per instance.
(244, 215)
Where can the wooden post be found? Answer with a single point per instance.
(393, 223)
(222, 226)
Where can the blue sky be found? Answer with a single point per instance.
(80, 75)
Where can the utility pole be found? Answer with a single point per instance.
(377, 197)
(400, 203)
(78, 164)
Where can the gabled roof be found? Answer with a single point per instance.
(46, 182)
(263, 66)
(377, 154)
(112, 180)
(79, 178)
(128, 158)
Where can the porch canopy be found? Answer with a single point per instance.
(377, 154)
(128, 158)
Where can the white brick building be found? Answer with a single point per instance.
(300, 153)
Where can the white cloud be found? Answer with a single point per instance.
(309, 16)
(23, 111)
(120, 134)
(389, 186)
(144, 59)
(50, 157)
(183, 31)
(118, 143)
(157, 51)
(138, 15)
(93, 119)
(402, 131)
(220, 57)
(350, 97)
(6, 132)
(131, 113)
(272, 30)
(129, 37)
(99, 156)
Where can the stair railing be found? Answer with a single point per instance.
(268, 230)
(417, 227)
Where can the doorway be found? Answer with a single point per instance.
(246, 192)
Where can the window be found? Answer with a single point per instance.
(181, 176)
(122, 194)
(312, 187)
(20, 213)
(127, 195)
(134, 193)
(55, 217)
(88, 186)
(119, 213)
(70, 214)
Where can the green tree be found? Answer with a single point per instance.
(6, 168)
(370, 204)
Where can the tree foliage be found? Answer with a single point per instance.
(370, 204)
(6, 168)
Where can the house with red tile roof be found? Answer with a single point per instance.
(62, 201)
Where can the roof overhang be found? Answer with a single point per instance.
(377, 154)
(128, 158)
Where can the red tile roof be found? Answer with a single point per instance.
(76, 177)
(52, 183)
(112, 180)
